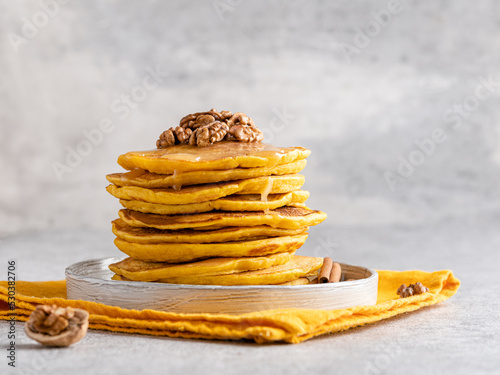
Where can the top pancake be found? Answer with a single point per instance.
(219, 156)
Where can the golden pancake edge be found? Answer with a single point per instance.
(283, 217)
(138, 270)
(228, 234)
(247, 202)
(187, 252)
(297, 268)
(146, 179)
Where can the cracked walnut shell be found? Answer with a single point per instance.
(57, 326)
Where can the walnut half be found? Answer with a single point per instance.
(209, 134)
(57, 326)
(245, 133)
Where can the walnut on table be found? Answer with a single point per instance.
(57, 326)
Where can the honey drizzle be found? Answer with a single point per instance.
(176, 186)
(267, 190)
(217, 151)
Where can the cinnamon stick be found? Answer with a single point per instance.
(336, 273)
(326, 270)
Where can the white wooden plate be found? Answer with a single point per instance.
(91, 281)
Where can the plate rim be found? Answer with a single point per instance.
(69, 271)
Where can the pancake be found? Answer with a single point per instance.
(219, 156)
(187, 252)
(138, 270)
(283, 217)
(143, 178)
(209, 192)
(296, 268)
(248, 202)
(119, 278)
(299, 281)
(296, 282)
(152, 235)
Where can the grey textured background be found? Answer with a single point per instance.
(359, 116)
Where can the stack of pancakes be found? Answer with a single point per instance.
(231, 213)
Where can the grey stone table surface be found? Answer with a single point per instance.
(459, 336)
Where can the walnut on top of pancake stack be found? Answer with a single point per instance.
(216, 203)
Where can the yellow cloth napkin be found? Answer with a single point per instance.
(290, 325)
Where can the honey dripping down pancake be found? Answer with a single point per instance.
(247, 202)
(143, 178)
(298, 267)
(230, 234)
(218, 156)
(283, 217)
(209, 192)
(187, 252)
(138, 270)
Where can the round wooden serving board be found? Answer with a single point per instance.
(91, 281)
